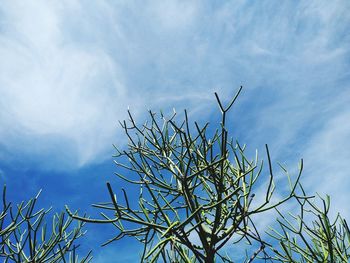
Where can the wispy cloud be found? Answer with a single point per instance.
(69, 69)
(328, 157)
(53, 88)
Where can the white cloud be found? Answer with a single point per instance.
(328, 157)
(70, 69)
(51, 86)
(174, 15)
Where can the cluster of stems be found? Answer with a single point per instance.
(25, 235)
(311, 236)
(196, 191)
(199, 200)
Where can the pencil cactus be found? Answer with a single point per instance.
(198, 198)
(27, 236)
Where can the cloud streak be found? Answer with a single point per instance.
(70, 69)
(54, 89)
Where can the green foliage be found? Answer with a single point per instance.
(200, 199)
(26, 237)
(312, 236)
(196, 191)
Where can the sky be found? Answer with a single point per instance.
(69, 70)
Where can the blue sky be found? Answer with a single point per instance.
(70, 69)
